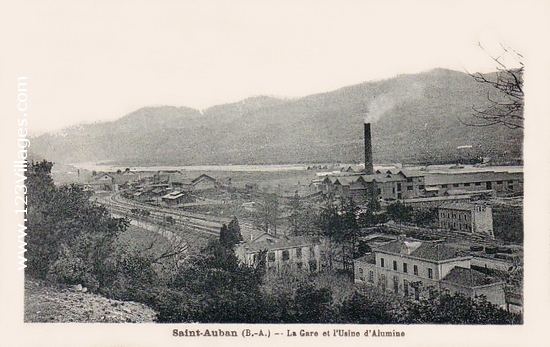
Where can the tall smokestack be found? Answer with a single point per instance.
(369, 168)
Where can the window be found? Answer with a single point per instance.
(361, 274)
(398, 186)
(383, 282)
(395, 265)
(430, 273)
(271, 256)
(499, 182)
(405, 269)
(466, 184)
(298, 253)
(299, 266)
(455, 185)
(406, 287)
(286, 255)
(421, 186)
(409, 180)
(478, 183)
(395, 285)
(415, 270)
(381, 262)
(312, 265)
(409, 188)
(443, 186)
(371, 276)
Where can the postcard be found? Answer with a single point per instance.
(249, 173)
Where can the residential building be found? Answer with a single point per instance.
(412, 268)
(282, 254)
(476, 218)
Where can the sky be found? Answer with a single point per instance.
(91, 61)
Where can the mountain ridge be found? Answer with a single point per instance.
(414, 118)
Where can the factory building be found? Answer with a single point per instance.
(408, 184)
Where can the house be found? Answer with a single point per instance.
(103, 181)
(282, 254)
(204, 182)
(412, 267)
(180, 182)
(176, 198)
(475, 218)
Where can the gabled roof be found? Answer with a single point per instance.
(469, 278)
(173, 195)
(368, 258)
(269, 242)
(426, 250)
(102, 175)
(412, 173)
(180, 179)
(203, 177)
(346, 181)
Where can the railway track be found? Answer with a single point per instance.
(193, 228)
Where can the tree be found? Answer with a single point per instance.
(349, 232)
(505, 97)
(328, 223)
(399, 212)
(70, 239)
(444, 308)
(216, 288)
(295, 212)
(368, 307)
(302, 217)
(230, 234)
(267, 215)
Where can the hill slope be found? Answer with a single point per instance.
(50, 304)
(414, 118)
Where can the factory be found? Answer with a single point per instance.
(409, 185)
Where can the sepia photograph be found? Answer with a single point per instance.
(356, 172)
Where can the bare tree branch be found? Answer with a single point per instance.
(505, 99)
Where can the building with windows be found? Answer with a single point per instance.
(502, 183)
(282, 254)
(467, 217)
(414, 268)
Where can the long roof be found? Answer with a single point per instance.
(469, 277)
(426, 250)
(273, 243)
(472, 177)
(462, 206)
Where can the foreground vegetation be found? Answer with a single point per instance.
(72, 241)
